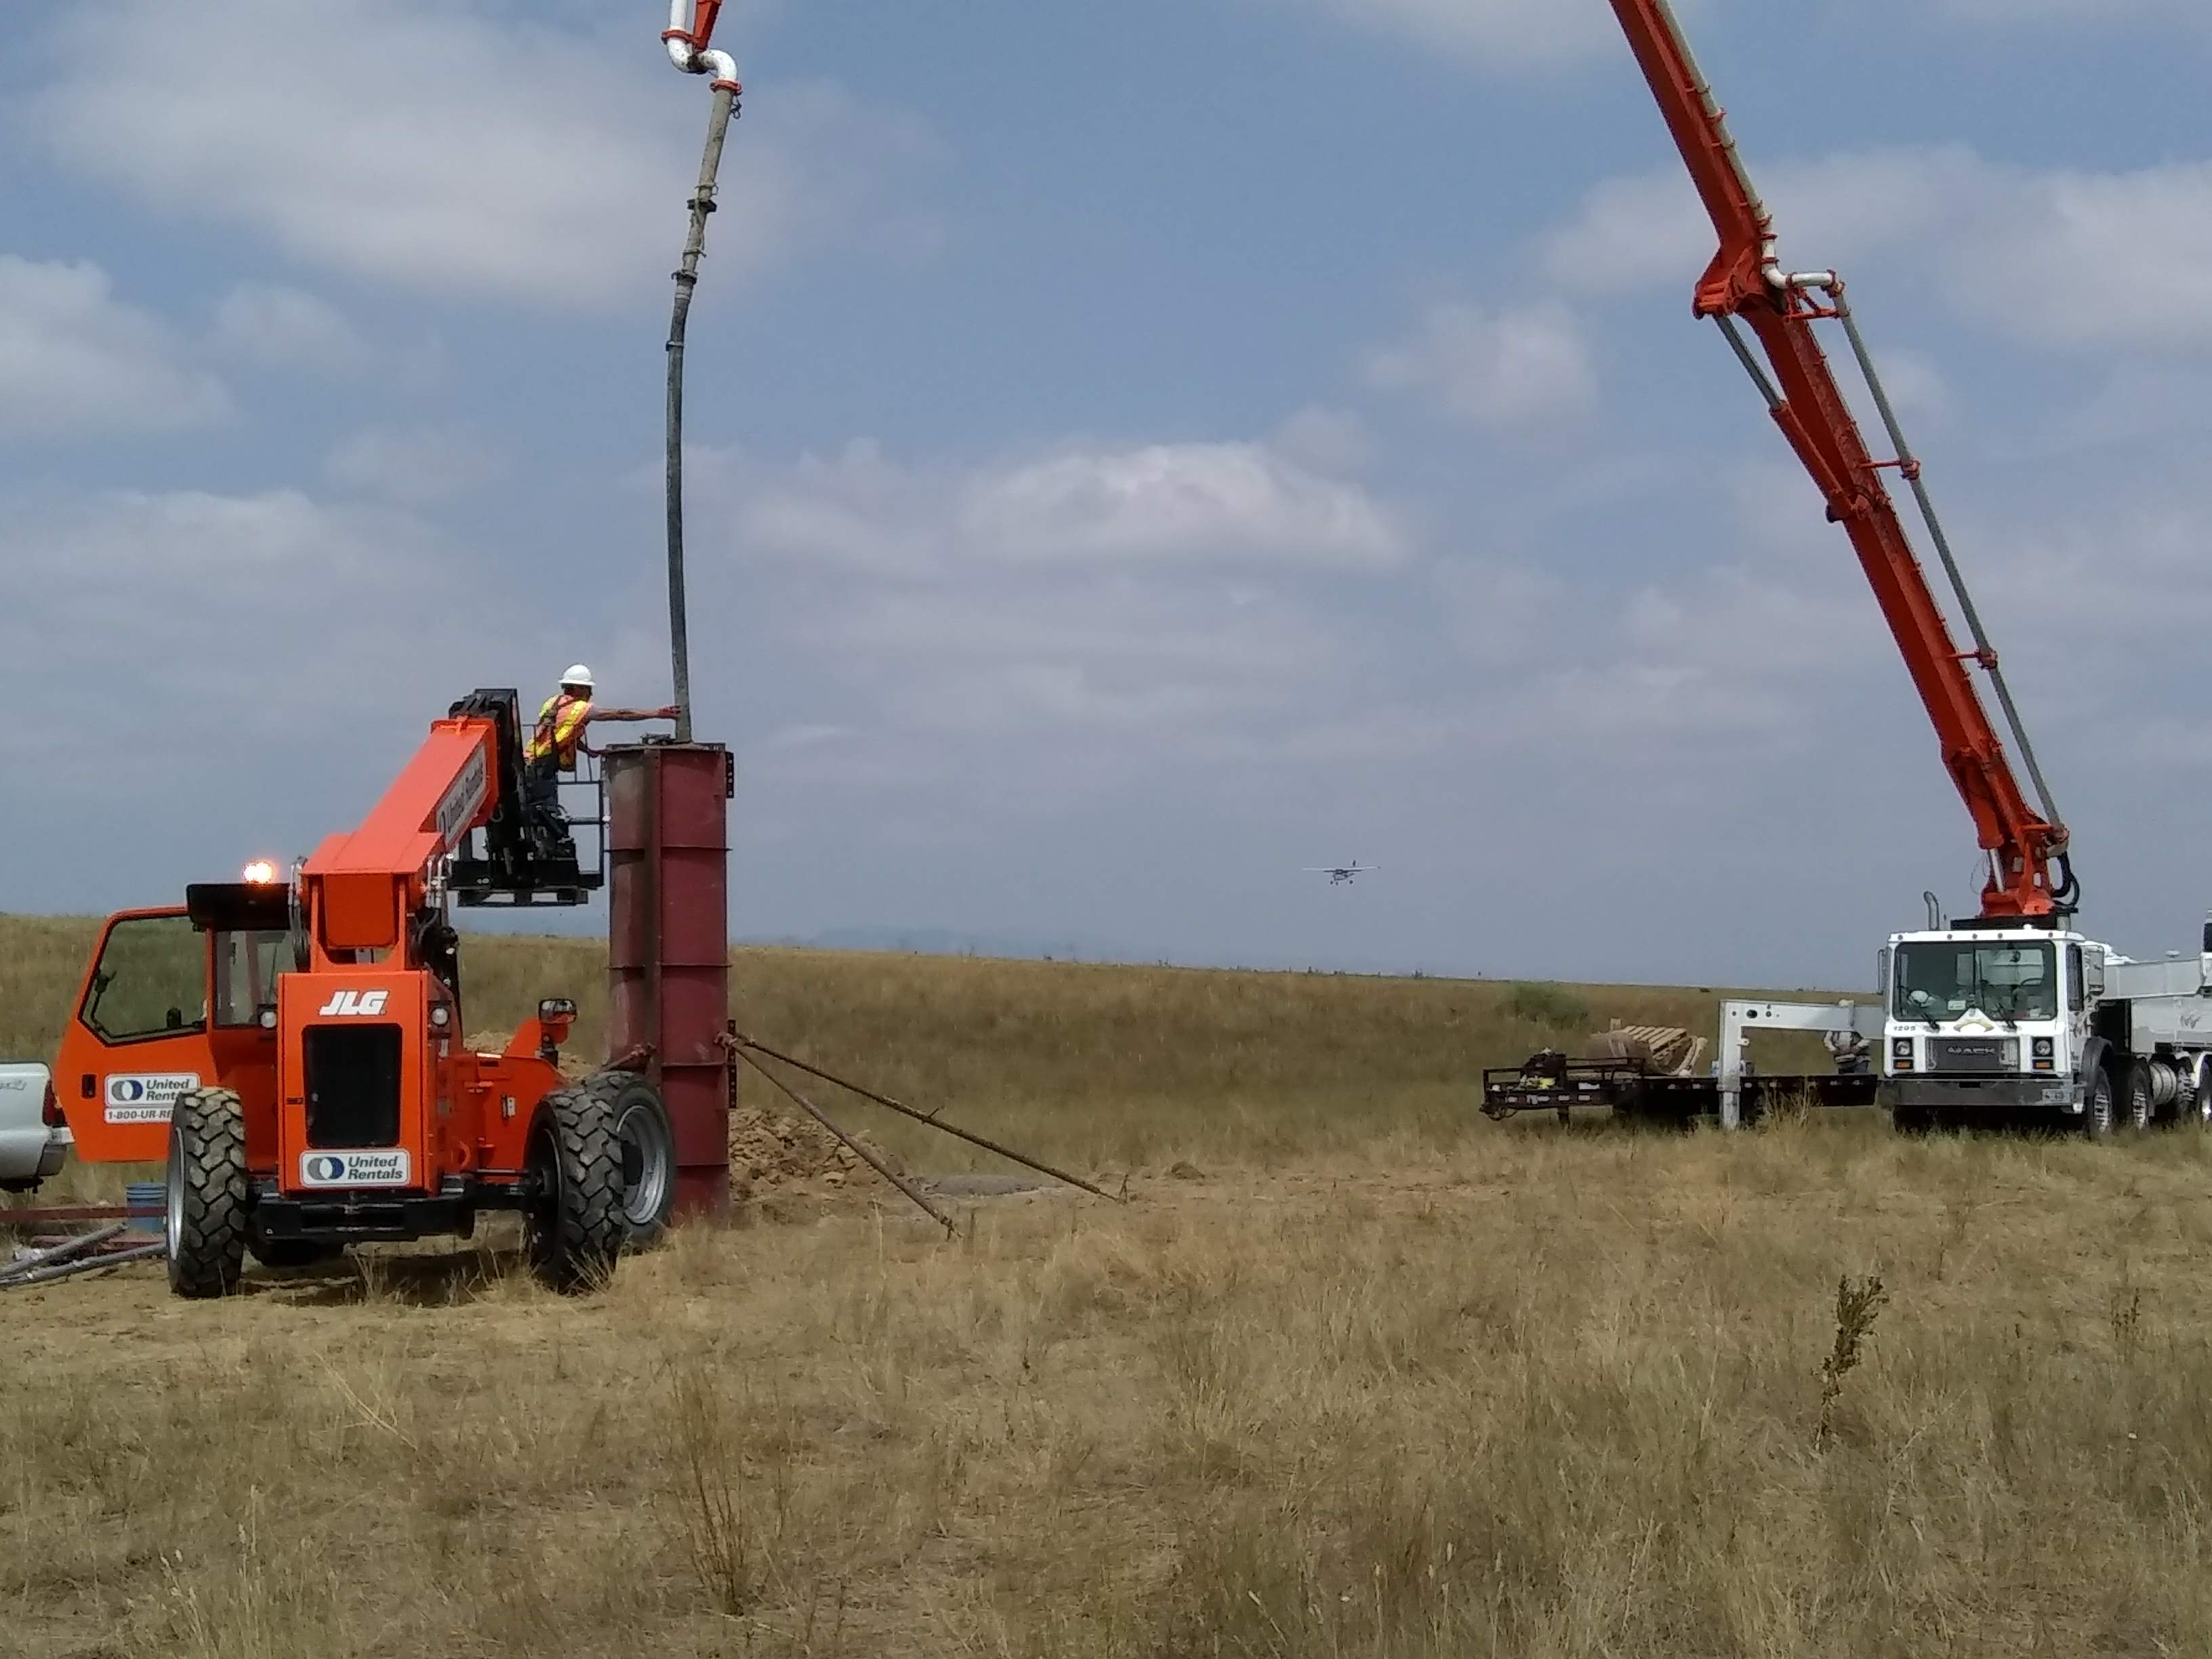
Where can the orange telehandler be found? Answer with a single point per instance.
(296, 1049)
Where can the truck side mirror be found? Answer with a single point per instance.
(2093, 970)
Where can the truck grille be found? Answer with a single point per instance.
(1974, 1054)
(353, 1085)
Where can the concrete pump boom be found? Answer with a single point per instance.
(2029, 875)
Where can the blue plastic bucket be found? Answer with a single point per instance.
(149, 1195)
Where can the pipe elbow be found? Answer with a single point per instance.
(720, 65)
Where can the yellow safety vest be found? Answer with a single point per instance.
(560, 724)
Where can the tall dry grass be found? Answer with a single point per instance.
(1545, 1394)
(1113, 1067)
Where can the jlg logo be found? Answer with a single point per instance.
(353, 1005)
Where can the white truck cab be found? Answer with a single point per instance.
(1986, 1021)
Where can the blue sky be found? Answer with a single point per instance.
(1139, 452)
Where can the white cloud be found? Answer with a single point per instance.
(416, 465)
(1178, 501)
(2055, 243)
(74, 359)
(287, 328)
(1174, 505)
(451, 148)
(1502, 369)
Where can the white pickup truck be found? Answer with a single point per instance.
(33, 1138)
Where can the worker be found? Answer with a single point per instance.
(559, 735)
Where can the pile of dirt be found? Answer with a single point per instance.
(772, 1152)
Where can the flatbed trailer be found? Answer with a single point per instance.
(1733, 1093)
(1509, 1091)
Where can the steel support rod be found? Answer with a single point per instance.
(930, 1118)
(687, 280)
(858, 1151)
(1749, 359)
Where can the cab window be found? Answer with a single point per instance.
(150, 982)
(246, 963)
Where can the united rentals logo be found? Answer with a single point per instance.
(144, 1096)
(355, 1004)
(458, 810)
(363, 1169)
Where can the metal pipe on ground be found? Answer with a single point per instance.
(34, 1260)
(92, 1265)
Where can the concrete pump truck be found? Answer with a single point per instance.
(293, 1049)
(2013, 1013)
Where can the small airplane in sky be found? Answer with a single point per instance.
(1342, 875)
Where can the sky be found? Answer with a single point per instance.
(1138, 453)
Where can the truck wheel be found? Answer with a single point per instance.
(2138, 1110)
(573, 1228)
(646, 1143)
(294, 1252)
(2198, 1111)
(2097, 1105)
(205, 1208)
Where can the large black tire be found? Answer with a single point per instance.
(2097, 1106)
(2195, 1106)
(573, 1228)
(646, 1143)
(2138, 1101)
(206, 1219)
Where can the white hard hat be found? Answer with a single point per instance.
(578, 675)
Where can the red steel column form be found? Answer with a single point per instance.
(668, 937)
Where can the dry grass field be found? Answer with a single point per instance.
(1366, 1375)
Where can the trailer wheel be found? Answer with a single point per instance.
(646, 1141)
(2139, 1107)
(204, 1207)
(573, 1228)
(2097, 1105)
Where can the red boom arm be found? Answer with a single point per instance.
(2029, 875)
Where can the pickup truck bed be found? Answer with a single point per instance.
(31, 1148)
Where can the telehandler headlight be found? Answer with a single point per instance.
(261, 873)
(441, 1016)
(266, 1019)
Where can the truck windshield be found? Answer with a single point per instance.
(1940, 981)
